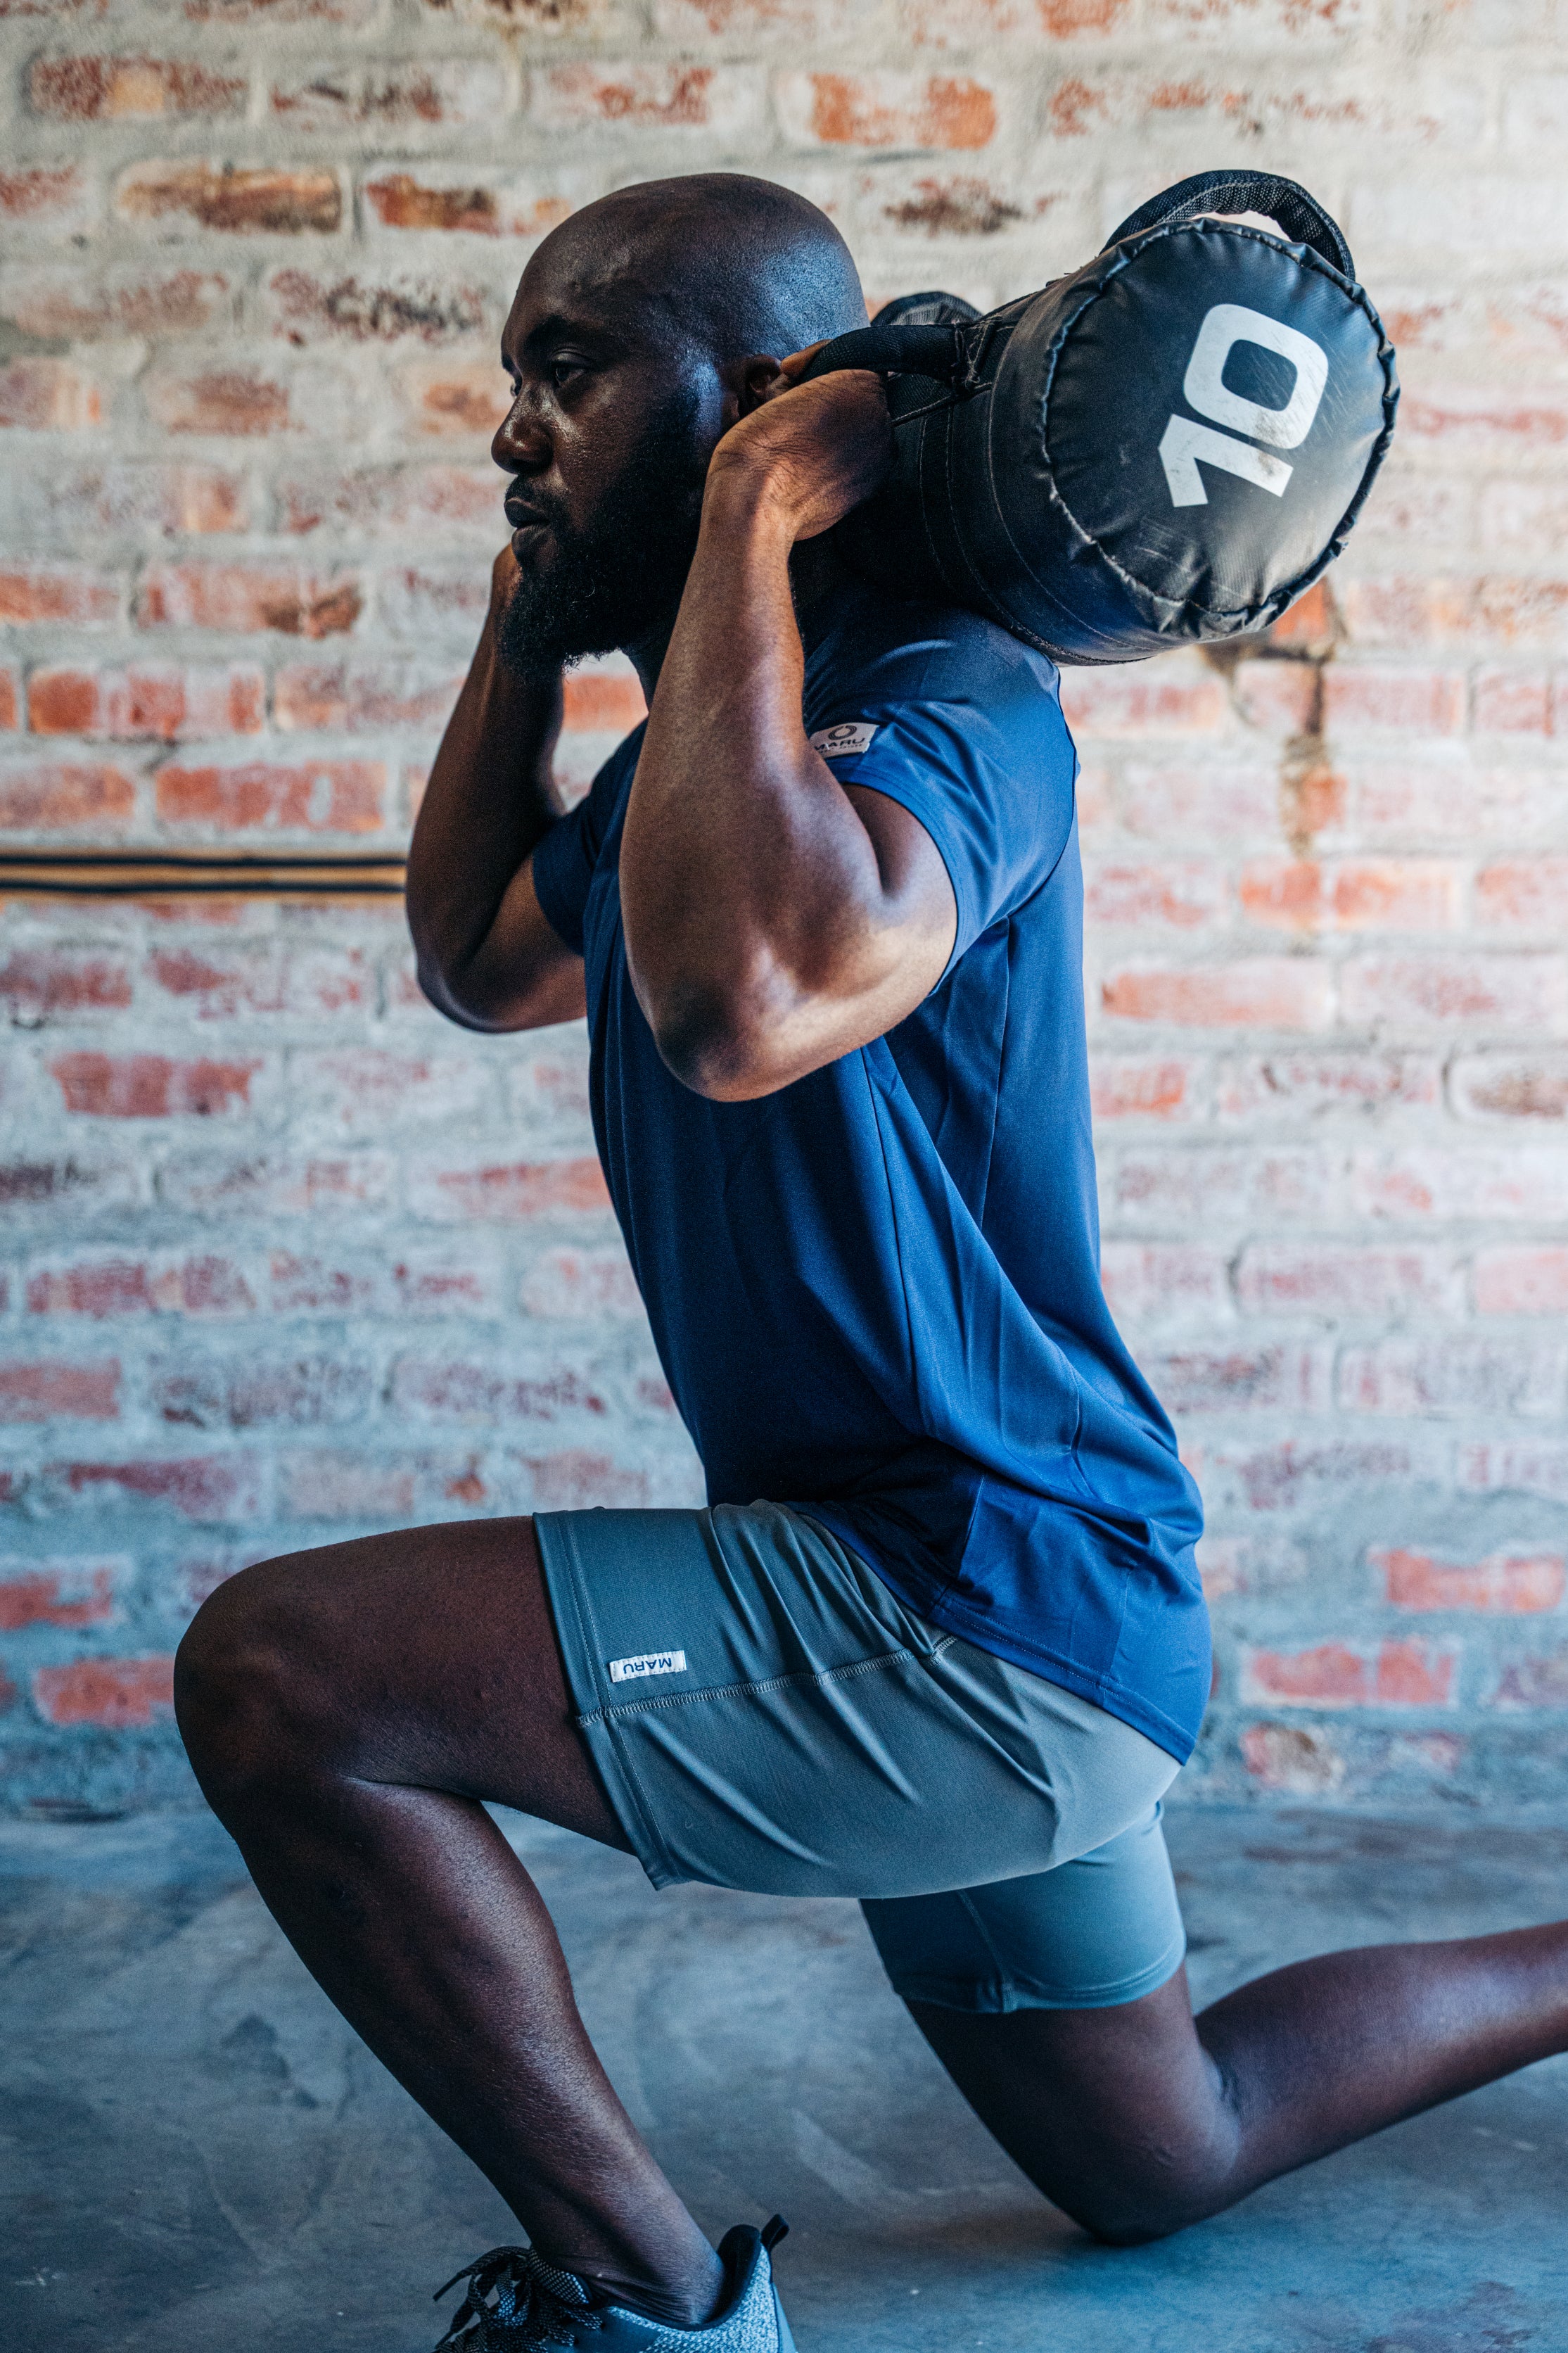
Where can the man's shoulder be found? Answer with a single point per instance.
(872, 645)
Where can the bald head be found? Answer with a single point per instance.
(728, 263)
(644, 328)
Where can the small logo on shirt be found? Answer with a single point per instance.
(850, 737)
(648, 1663)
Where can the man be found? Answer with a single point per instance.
(938, 1641)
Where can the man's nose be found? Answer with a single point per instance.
(520, 445)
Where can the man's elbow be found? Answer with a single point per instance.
(716, 1044)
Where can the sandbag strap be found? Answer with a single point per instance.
(1300, 216)
(941, 352)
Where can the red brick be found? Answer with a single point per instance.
(38, 1599)
(1311, 625)
(1533, 1469)
(313, 1286)
(1499, 1086)
(249, 596)
(1455, 1373)
(1260, 993)
(440, 199)
(40, 983)
(343, 308)
(1421, 1181)
(1193, 1189)
(585, 1284)
(1138, 703)
(677, 95)
(427, 601)
(453, 398)
(210, 1185)
(1521, 1280)
(124, 299)
(367, 1089)
(1288, 1757)
(114, 1695)
(577, 1480)
(322, 982)
(1451, 801)
(1527, 894)
(394, 92)
(44, 196)
(38, 1390)
(960, 23)
(1242, 1379)
(174, 499)
(400, 499)
(150, 1086)
(112, 1287)
(242, 402)
(1285, 1477)
(1181, 895)
(1400, 1674)
(1279, 696)
(1534, 1683)
(511, 1192)
(105, 88)
(1146, 1280)
(428, 1288)
(58, 592)
(691, 23)
(318, 797)
(1122, 1089)
(10, 702)
(268, 13)
(364, 698)
(68, 1183)
(1505, 1584)
(298, 1393)
(323, 1486)
(1413, 701)
(460, 1390)
(41, 395)
(1343, 1279)
(887, 109)
(199, 1487)
(1515, 703)
(265, 200)
(1402, 613)
(1519, 992)
(1487, 425)
(1212, 802)
(1385, 894)
(57, 794)
(148, 700)
(599, 699)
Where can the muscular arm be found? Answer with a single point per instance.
(774, 919)
(488, 956)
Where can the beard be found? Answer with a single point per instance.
(615, 580)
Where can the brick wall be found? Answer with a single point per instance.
(282, 1258)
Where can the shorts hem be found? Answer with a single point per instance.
(993, 1998)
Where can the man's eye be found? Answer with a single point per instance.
(562, 371)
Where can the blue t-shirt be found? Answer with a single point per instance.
(876, 1293)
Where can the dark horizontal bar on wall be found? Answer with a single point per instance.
(197, 874)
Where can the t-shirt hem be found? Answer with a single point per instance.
(940, 1610)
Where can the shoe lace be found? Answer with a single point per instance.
(512, 2290)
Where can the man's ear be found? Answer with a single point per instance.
(756, 380)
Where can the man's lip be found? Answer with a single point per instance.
(520, 517)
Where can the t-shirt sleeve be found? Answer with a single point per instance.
(564, 860)
(994, 790)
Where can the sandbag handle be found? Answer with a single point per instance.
(942, 350)
(1300, 216)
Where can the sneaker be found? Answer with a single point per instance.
(517, 2302)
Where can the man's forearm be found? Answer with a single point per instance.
(488, 804)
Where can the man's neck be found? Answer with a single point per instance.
(814, 566)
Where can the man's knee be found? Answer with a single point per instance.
(244, 1682)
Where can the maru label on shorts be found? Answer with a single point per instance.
(648, 1663)
(845, 742)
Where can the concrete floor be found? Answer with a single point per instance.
(197, 2156)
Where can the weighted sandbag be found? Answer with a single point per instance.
(1169, 445)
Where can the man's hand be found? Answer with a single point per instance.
(811, 451)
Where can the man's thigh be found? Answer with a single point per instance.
(425, 1657)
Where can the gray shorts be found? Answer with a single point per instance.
(766, 1713)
